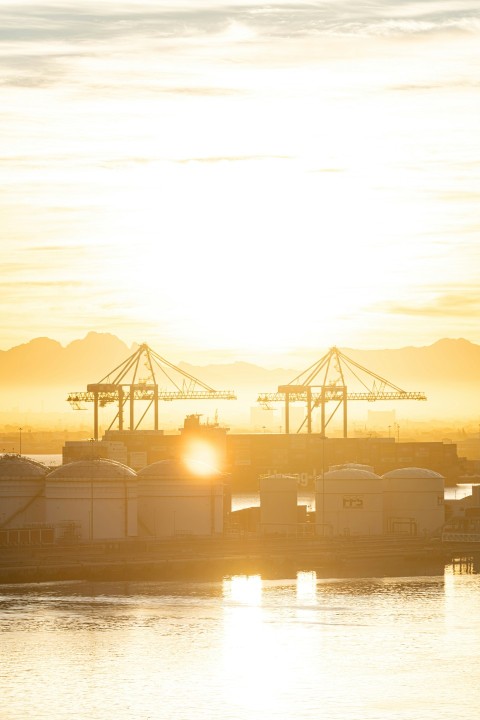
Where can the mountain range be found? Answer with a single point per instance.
(449, 369)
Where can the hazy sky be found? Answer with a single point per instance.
(241, 178)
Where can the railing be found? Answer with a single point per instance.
(463, 537)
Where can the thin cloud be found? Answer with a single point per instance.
(398, 28)
(42, 45)
(328, 170)
(27, 284)
(232, 158)
(47, 23)
(32, 22)
(451, 305)
(153, 90)
(65, 249)
(201, 91)
(448, 85)
(460, 196)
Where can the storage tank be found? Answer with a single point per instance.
(180, 498)
(22, 485)
(278, 505)
(413, 501)
(94, 499)
(349, 501)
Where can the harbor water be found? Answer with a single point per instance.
(245, 648)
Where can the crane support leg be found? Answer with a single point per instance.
(309, 410)
(120, 407)
(132, 408)
(95, 416)
(345, 431)
(322, 405)
(287, 413)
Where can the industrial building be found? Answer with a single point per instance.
(22, 499)
(100, 499)
(92, 500)
(178, 498)
(247, 456)
(146, 378)
(463, 516)
(349, 501)
(413, 501)
(146, 483)
(278, 505)
(352, 500)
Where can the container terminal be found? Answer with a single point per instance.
(139, 502)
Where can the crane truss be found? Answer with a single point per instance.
(334, 368)
(124, 384)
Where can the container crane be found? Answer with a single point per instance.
(332, 371)
(161, 380)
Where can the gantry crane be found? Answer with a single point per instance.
(161, 380)
(333, 369)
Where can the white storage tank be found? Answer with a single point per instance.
(349, 501)
(278, 505)
(22, 486)
(413, 501)
(96, 499)
(177, 498)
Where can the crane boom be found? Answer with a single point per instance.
(110, 397)
(332, 394)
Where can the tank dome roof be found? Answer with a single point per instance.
(412, 472)
(86, 469)
(176, 469)
(350, 473)
(357, 466)
(22, 467)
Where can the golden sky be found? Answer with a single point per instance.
(240, 179)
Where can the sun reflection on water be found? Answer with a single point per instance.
(243, 589)
(307, 587)
(254, 667)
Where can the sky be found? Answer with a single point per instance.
(236, 180)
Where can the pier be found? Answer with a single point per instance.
(214, 559)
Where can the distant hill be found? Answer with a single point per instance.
(240, 376)
(447, 361)
(45, 362)
(448, 371)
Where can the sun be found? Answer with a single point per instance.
(201, 458)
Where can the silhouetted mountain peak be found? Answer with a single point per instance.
(453, 342)
(45, 362)
(94, 340)
(39, 344)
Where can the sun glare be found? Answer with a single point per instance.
(201, 458)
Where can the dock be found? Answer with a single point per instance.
(215, 558)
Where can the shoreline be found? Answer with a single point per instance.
(215, 559)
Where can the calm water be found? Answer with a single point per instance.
(243, 649)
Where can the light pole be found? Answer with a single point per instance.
(91, 492)
(323, 485)
(20, 429)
